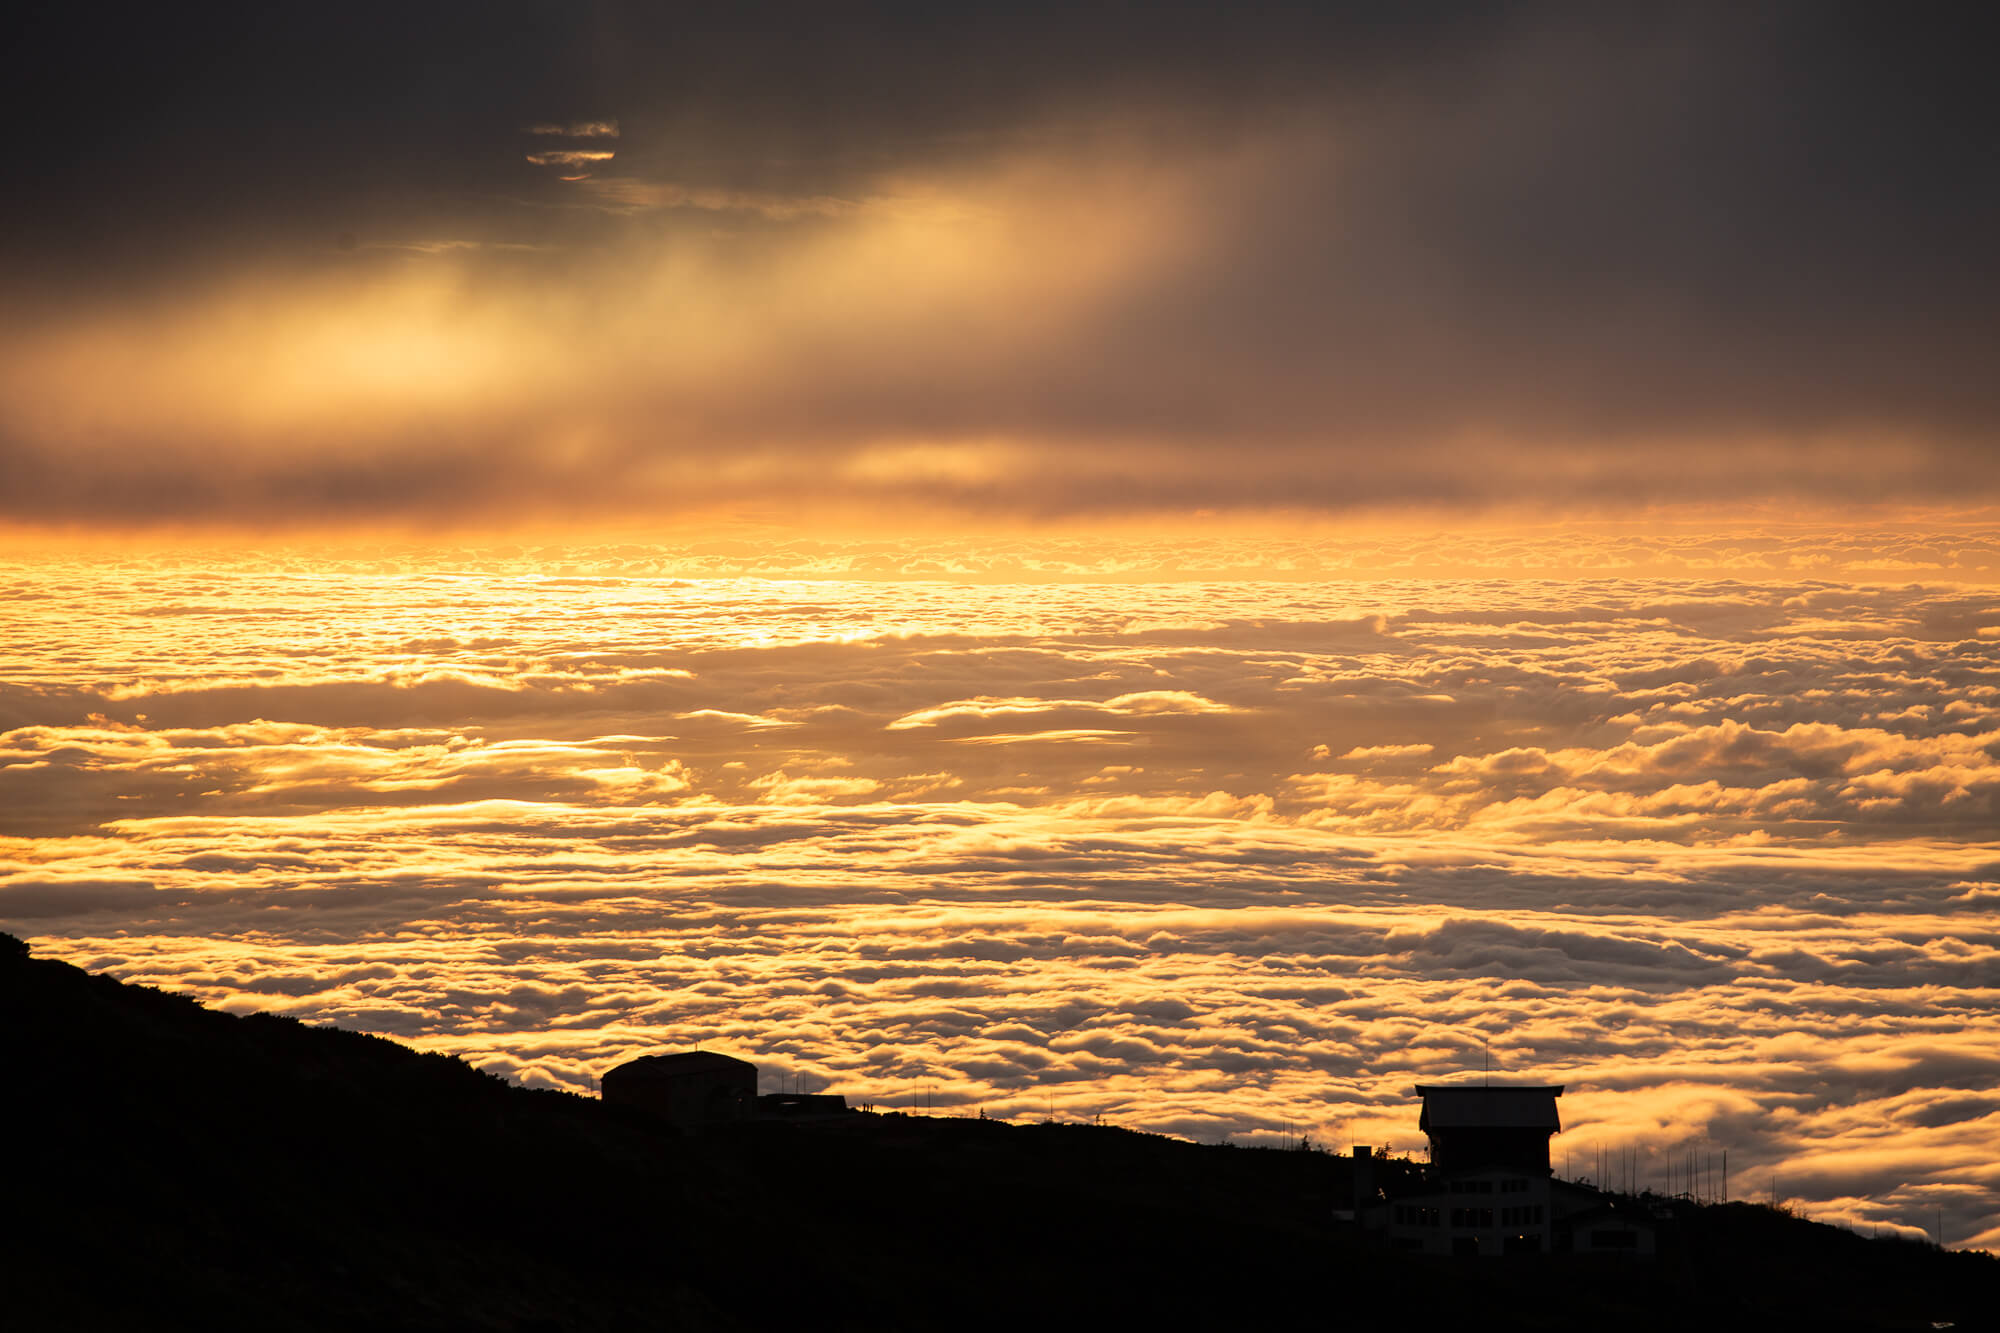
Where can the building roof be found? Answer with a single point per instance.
(681, 1062)
(1479, 1106)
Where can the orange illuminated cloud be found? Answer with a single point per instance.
(570, 157)
(1201, 856)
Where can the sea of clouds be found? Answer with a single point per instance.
(1246, 856)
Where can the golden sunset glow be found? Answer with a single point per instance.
(1198, 602)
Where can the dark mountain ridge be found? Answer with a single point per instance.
(176, 1167)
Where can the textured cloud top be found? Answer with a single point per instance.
(1236, 856)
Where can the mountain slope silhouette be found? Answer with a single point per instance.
(177, 1167)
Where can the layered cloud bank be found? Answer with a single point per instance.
(1240, 857)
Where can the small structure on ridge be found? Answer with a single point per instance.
(688, 1089)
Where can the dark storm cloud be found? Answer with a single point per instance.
(1015, 260)
(1811, 129)
(154, 125)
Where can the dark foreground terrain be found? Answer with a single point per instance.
(169, 1166)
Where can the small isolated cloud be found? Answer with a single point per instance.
(782, 789)
(1365, 752)
(578, 129)
(1144, 703)
(571, 157)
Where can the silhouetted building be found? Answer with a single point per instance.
(1489, 1189)
(689, 1089)
(1478, 1126)
(1497, 1212)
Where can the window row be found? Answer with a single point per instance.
(1515, 1215)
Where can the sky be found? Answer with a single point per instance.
(1197, 568)
(477, 265)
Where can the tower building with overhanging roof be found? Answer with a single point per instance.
(1490, 1189)
(1480, 1125)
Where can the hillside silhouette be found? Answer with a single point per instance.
(178, 1167)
